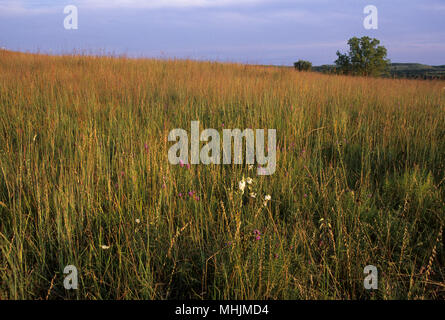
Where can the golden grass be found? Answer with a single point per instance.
(359, 181)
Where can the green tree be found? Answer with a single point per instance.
(302, 65)
(365, 58)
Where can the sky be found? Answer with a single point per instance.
(277, 32)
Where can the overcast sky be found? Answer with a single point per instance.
(253, 31)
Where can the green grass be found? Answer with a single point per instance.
(359, 181)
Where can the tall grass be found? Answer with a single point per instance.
(83, 158)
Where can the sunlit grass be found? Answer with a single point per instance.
(85, 180)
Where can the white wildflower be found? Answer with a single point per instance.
(104, 247)
(242, 185)
(249, 180)
(138, 221)
(252, 195)
(266, 199)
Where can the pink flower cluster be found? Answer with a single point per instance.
(257, 234)
(191, 194)
(182, 164)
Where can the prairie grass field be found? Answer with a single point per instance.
(85, 180)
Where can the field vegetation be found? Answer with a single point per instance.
(85, 180)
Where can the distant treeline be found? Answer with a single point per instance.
(400, 70)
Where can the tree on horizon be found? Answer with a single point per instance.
(303, 65)
(365, 58)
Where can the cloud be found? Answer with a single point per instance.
(432, 6)
(157, 4)
(272, 47)
(17, 7)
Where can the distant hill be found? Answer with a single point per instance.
(417, 70)
(402, 70)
